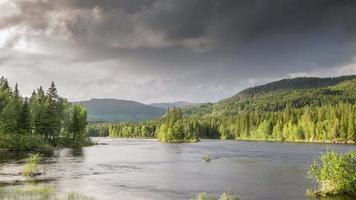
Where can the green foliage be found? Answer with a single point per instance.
(207, 158)
(98, 129)
(129, 129)
(334, 173)
(78, 125)
(174, 129)
(46, 119)
(37, 193)
(302, 109)
(31, 167)
(327, 123)
(23, 142)
(279, 95)
(76, 196)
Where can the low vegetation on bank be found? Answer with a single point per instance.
(31, 167)
(224, 196)
(37, 193)
(334, 174)
(43, 121)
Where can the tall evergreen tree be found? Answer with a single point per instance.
(25, 119)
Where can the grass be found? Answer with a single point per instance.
(334, 174)
(37, 193)
(224, 196)
(31, 167)
(76, 196)
(207, 158)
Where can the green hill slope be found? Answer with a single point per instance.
(113, 110)
(276, 96)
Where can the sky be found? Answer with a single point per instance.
(172, 50)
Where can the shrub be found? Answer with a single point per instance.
(31, 167)
(207, 158)
(22, 142)
(335, 174)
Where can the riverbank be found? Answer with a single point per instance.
(239, 139)
(296, 141)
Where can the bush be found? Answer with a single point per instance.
(335, 174)
(22, 142)
(207, 158)
(31, 167)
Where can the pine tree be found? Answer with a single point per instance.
(25, 119)
(53, 114)
(351, 127)
(78, 124)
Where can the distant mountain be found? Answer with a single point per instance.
(113, 110)
(178, 104)
(276, 96)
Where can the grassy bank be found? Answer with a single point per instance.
(37, 193)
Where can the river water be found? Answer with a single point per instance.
(146, 169)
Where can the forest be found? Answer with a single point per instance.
(324, 112)
(328, 123)
(44, 120)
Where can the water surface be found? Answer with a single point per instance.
(147, 169)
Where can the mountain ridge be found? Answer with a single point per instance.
(116, 110)
(177, 104)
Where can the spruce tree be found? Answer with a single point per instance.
(25, 119)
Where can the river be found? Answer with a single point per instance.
(146, 169)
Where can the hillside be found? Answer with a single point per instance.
(178, 104)
(276, 96)
(113, 110)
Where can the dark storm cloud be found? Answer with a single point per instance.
(226, 22)
(218, 45)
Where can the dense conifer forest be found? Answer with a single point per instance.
(42, 121)
(302, 109)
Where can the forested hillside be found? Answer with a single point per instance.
(113, 110)
(279, 95)
(42, 121)
(301, 109)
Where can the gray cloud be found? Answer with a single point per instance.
(157, 50)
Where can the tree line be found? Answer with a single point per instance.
(327, 123)
(43, 120)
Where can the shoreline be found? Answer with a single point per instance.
(239, 139)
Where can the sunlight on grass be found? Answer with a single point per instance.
(31, 167)
(207, 158)
(37, 193)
